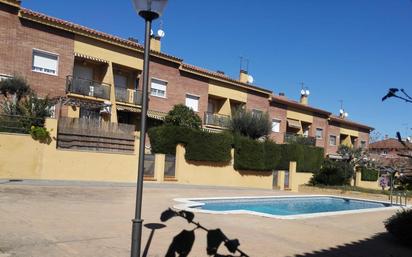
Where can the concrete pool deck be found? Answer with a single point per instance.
(89, 219)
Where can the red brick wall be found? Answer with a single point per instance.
(257, 101)
(18, 37)
(332, 129)
(278, 111)
(320, 122)
(363, 136)
(178, 85)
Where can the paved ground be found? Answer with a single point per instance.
(94, 220)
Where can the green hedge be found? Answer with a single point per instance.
(369, 175)
(255, 155)
(249, 154)
(308, 158)
(200, 145)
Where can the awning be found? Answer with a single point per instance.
(91, 58)
(157, 115)
(294, 124)
(127, 108)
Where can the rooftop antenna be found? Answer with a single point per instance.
(305, 90)
(342, 112)
(160, 31)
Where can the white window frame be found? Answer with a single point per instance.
(336, 140)
(278, 121)
(193, 96)
(256, 112)
(34, 51)
(152, 92)
(5, 76)
(321, 133)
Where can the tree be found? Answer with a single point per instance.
(249, 124)
(183, 116)
(17, 87)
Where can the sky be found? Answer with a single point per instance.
(349, 50)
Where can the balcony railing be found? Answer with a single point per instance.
(87, 87)
(130, 96)
(218, 120)
(299, 139)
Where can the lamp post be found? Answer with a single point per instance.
(149, 10)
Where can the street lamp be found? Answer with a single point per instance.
(149, 10)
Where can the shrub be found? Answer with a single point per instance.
(200, 145)
(250, 125)
(333, 173)
(369, 175)
(308, 158)
(40, 134)
(400, 226)
(183, 116)
(249, 155)
(212, 147)
(15, 86)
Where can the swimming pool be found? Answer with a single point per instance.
(283, 206)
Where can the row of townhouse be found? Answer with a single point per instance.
(98, 76)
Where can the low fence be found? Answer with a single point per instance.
(95, 135)
(18, 124)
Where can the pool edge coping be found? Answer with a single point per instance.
(187, 204)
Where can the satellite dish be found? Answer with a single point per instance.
(161, 33)
(341, 111)
(250, 79)
(151, 32)
(346, 114)
(307, 92)
(302, 92)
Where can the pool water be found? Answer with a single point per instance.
(289, 205)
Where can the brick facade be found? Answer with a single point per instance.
(278, 111)
(257, 101)
(19, 37)
(332, 129)
(319, 122)
(179, 83)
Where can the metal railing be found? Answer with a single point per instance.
(18, 124)
(131, 96)
(218, 120)
(299, 139)
(87, 87)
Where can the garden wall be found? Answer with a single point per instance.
(366, 184)
(211, 174)
(21, 157)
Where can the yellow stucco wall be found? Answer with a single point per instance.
(366, 184)
(212, 175)
(295, 114)
(21, 157)
(221, 90)
(108, 52)
(73, 112)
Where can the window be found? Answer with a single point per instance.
(275, 125)
(89, 113)
(332, 140)
(319, 133)
(192, 102)
(44, 62)
(158, 88)
(257, 113)
(363, 144)
(120, 81)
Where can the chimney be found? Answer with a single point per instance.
(155, 44)
(243, 76)
(304, 95)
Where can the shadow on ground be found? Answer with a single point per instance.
(380, 245)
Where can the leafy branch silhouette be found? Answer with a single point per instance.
(183, 242)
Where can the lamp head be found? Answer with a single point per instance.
(149, 9)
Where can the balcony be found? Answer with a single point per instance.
(129, 96)
(218, 120)
(87, 87)
(291, 138)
